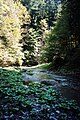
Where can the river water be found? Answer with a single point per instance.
(69, 86)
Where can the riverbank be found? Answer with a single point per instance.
(34, 101)
(63, 70)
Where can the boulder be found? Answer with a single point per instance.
(49, 82)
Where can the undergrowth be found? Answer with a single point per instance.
(35, 101)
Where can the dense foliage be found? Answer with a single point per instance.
(34, 31)
(12, 16)
(63, 40)
(41, 9)
(43, 15)
(22, 40)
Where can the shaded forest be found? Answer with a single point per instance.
(34, 32)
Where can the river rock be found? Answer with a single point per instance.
(49, 82)
(26, 82)
(31, 78)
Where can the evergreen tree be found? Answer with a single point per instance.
(12, 15)
(65, 35)
(41, 9)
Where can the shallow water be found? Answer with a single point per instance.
(69, 86)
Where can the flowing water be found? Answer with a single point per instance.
(69, 86)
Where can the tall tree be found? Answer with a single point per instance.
(65, 36)
(74, 7)
(12, 15)
(41, 9)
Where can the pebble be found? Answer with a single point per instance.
(57, 111)
(52, 118)
(53, 106)
(11, 116)
(6, 117)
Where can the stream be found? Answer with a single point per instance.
(69, 86)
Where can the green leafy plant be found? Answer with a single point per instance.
(36, 99)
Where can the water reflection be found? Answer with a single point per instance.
(69, 86)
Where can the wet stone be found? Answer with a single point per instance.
(57, 111)
(49, 82)
(64, 84)
(6, 117)
(11, 116)
(53, 118)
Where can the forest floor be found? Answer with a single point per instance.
(34, 100)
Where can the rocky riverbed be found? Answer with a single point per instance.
(69, 85)
(37, 94)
